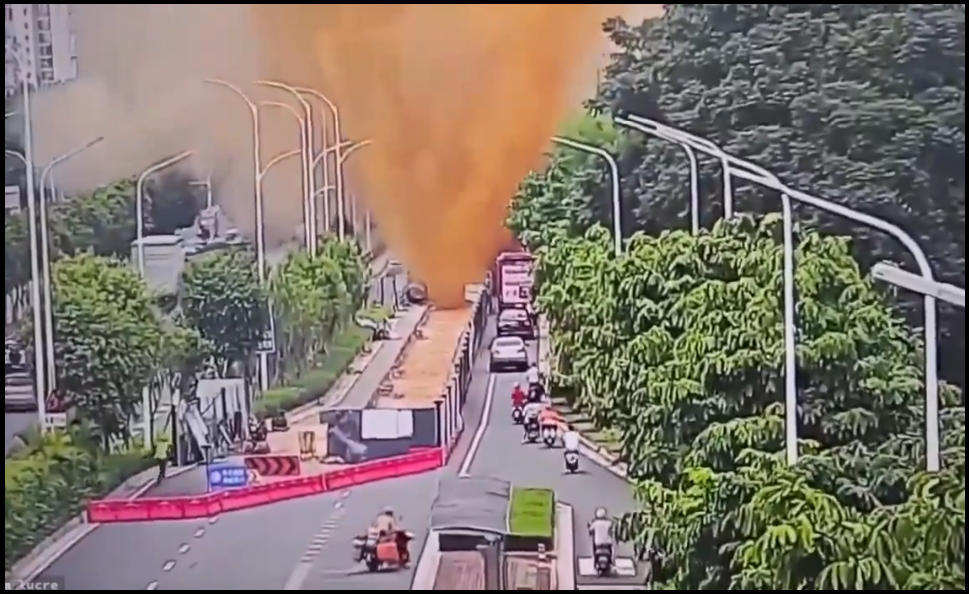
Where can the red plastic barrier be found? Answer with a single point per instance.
(207, 506)
(166, 509)
(378, 470)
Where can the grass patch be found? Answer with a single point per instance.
(531, 513)
(314, 384)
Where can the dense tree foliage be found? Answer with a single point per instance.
(678, 345)
(312, 296)
(224, 301)
(862, 104)
(106, 340)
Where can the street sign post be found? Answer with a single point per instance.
(227, 476)
(267, 345)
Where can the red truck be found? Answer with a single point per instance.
(513, 279)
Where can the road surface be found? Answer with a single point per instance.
(305, 544)
(501, 454)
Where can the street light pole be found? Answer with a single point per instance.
(257, 172)
(694, 173)
(47, 176)
(309, 224)
(306, 140)
(758, 175)
(616, 189)
(140, 238)
(337, 155)
(40, 369)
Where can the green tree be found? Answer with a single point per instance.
(223, 300)
(863, 105)
(106, 340)
(309, 298)
(678, 345)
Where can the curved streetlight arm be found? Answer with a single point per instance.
(140, 206)
(16, 155)
(614, 172)
(354, 148)
(306, 144)
(346, 144)
(671, 133)
(287, 107)
(239, 92)
(277, 159)
(66, 156)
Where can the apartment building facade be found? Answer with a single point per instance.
(44, 40)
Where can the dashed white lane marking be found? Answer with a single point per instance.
(185, 548)
(213, 520)
(199, 532)
(317, 544)
(168, 566)
(152, 586)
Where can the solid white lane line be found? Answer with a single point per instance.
(465, 470)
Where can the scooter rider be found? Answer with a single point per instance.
(600, 529)
(386, 522)
(531, 414)
(570, 440)
(518, 396)
(532, 377)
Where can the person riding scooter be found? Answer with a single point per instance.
(518, 396)
(386, 525)
(531, 414)
(601, 531)
(532, 376)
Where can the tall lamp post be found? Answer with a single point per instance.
(746, 170)
(40, 368)
(140, 238)
(337, 148)
(616, 189)
(351, 147)
(306, 141)
(46, 176)
(305, 150)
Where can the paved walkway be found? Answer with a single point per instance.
(351, 391)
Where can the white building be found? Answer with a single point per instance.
(43, 37)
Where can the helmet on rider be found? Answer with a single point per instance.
(601, 513)
(388, 511)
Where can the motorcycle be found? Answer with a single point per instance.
(603, 560)
(571, 462)
(532, 432)
(536, 392)
(517, 415)
(549, 434)
(385, 552)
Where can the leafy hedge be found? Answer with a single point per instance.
(50, 483)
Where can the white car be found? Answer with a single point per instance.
(509, 353)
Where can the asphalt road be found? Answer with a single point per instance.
(305, 544)
(501, 454)
(18, 389)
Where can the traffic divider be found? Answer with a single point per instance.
(213, 504)
(369, 472)
(274, 465)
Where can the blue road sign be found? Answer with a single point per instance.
(227, 476)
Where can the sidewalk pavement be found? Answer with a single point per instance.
(362, 388)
